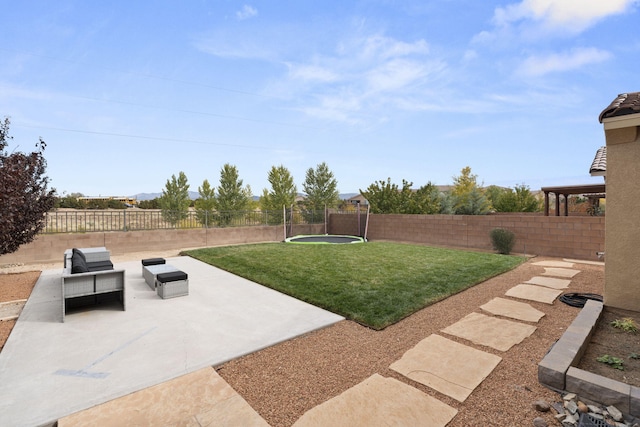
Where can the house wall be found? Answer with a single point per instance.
(622, 282)
(570, 237)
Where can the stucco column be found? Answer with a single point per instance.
(622, 219)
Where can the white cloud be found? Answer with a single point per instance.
(311, 73)
(246, 12)
(572, 15)
(538, 65)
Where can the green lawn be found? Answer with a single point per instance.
(376, 283)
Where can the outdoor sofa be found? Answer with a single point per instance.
(88, 277)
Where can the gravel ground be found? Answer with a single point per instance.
(284, 381)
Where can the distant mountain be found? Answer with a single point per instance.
(194, 195)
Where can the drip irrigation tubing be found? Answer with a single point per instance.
(579, 300)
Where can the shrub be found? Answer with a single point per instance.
(502, 240)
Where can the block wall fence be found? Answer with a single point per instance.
(577, 237)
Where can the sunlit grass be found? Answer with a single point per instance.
(376, 283)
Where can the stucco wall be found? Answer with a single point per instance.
(571, 237)
(622, 282)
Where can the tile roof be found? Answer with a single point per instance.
(599, 165)
(626, 103)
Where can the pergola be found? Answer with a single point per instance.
(593, 192)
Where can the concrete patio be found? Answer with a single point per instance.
(52, 369)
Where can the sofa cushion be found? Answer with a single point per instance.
(153, 261)
(100, 265)
(78, 264)
(80, 253)
(172, 276)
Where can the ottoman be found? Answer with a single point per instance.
(172, 284)
(152, 261)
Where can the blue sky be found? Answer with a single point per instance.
(128, 93)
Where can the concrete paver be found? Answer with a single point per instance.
(554, 263)
(513, 309)
(379, 401)
(560, 272)
(201, 398)
(51, 369)
(534, 293)
(449, 367)
(549, 282)
(490, 331)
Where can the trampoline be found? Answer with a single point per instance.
(323, 239)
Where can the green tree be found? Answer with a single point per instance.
(232, 198)
(468, 197)
(383, 197)
(24, 197)
(206, 204)
(175, 200)
(425, 200)
(69, 201)
(149, 204)
(520, 199)
(283, 193)
(321, 189)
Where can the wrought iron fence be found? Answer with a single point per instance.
(86, 221)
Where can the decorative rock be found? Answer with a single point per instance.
(594, 409)
(539, 422)
(582, 407)
(615, 413)
(557, 406)
(569, 421)
(569, 396)
(541, 406)
(571, 406)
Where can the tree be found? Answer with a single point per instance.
(175, 200)
(468, 197)
(383, 197)
(24, 197)
(206, 204)
(232, 197)
(520, 199)
(283, 193)
(321, 189)
(425, 200)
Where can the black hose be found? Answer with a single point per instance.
(579, 300)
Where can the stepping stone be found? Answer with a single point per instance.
(584, 261)
(550, 263)
(446, 366)
(514, 309)
(11, 310)
(490, 331)
(560, 272)
(379, 401)
(534, 293)
(196, 399)
(549, 282)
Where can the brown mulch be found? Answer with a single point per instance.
(615, 342)
(284, 381)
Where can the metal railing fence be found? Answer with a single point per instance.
(86, 221)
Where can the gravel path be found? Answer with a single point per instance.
(284, 381)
